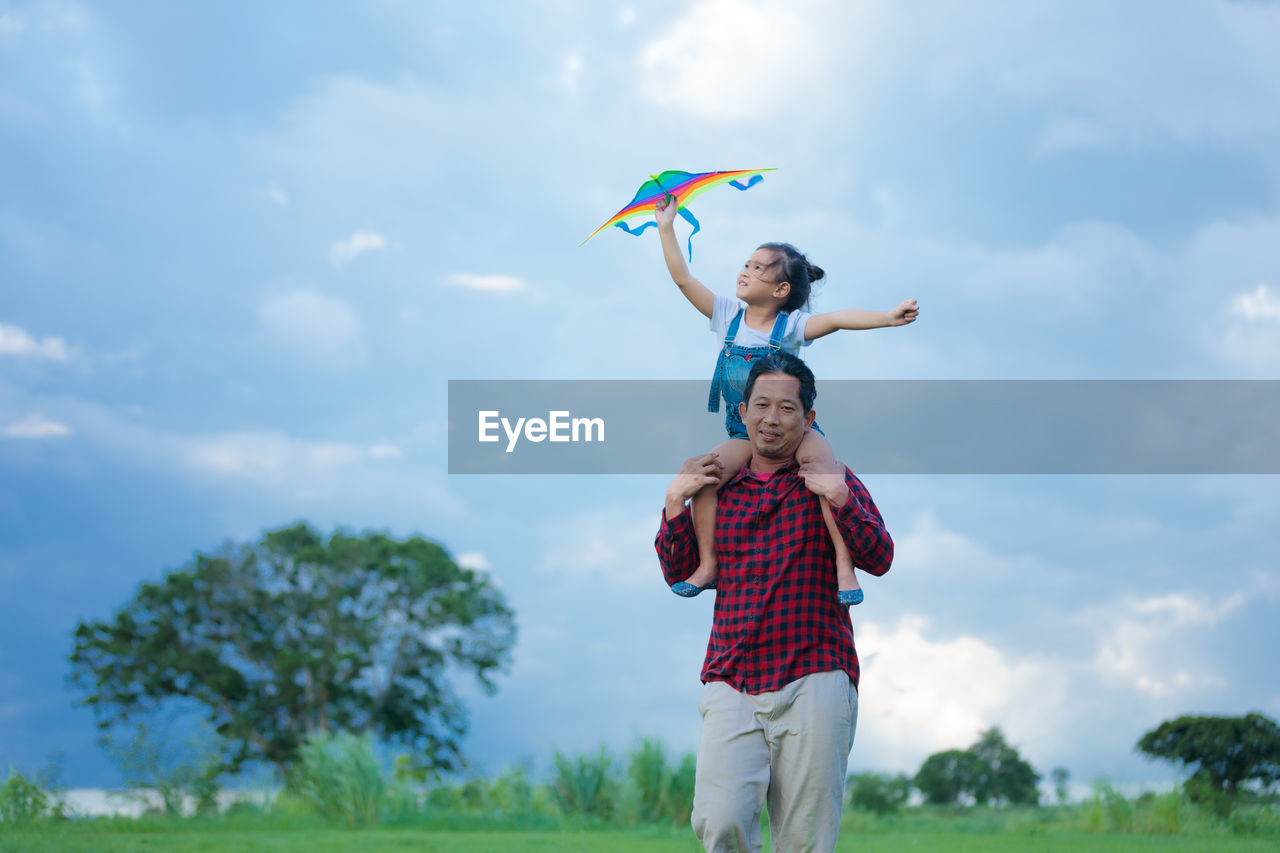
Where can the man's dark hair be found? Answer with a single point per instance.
(783, 362)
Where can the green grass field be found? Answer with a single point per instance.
(304, 836)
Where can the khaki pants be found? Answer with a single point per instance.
(791, 747)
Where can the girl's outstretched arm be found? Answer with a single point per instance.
(852, 318)
(664, 212)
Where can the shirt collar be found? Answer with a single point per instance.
(745, 471)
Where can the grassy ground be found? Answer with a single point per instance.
(190, 836)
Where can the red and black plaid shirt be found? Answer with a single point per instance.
(776, 616)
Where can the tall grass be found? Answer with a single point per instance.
(586, 786)
(660, 792)
(340, 776)
(1107, 810)
(22, 799)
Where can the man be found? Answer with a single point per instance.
(780, 704)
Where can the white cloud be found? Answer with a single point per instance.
(1257, 305)
(385, 450)
(352, 140)
(36, 425)
(491, 283)
(1066, 134)
(17, 342)
(626, 17)
(256, 465)
(1199, 73)
(732, 60)
(1183, 611)
(276, 196)
(1134, 639)
(571, 66)
(93, 87)
(360, 242)
(474, 560)
(321, 328)
(924, 694)
(66, 17)
(267, 457)
(1229, 266)
(599, 547)
(323, 473)
(931, 551)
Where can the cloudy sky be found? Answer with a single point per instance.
(244, 246)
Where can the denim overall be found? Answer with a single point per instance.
(732, 368)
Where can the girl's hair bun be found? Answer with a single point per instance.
(795, 269)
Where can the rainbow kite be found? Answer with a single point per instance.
(684, 186)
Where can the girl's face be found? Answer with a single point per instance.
(756, 281)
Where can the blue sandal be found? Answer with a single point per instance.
(688, 590)
(847, 597)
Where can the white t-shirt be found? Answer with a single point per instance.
(725, 310)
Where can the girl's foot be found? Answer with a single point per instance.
(704, 577)
(850, 590)
(849, 597)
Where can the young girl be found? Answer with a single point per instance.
(773, 288)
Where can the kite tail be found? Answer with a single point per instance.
(755, 179)
(633, 231)
(684, 214)
(692, 220)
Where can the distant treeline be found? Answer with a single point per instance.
(343, 779)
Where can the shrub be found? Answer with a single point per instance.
(1203, 793)
(474, 795)
(586, 786)
(1261, 820)
(1107, 810)
(649, 778)
(155, 755)
(340, 776)
(1165, 815)
(878, 792)
(22, 799)
(512, 793)
(659, 792)
(680, 793)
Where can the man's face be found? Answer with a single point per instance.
(775, 418)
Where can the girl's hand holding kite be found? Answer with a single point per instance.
(698, 294)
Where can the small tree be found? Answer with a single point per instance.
(1002, 775)
(169, 764)
(1061, 776)
(879, 792)
(22, 799)
(1222, 752)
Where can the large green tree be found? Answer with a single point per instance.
(1222, 752)
(989, 771)
(296, 634)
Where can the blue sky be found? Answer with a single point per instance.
(243, 248)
